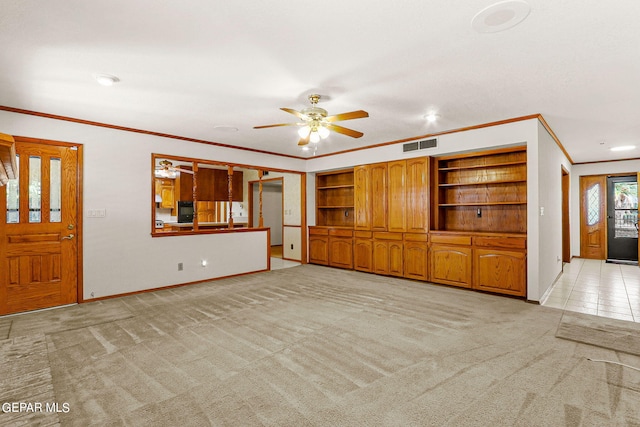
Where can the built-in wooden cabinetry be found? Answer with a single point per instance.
(334, 199)
(458, 220)
(165, 190)
(212, 185)
(484, 191)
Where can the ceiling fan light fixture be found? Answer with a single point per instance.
(303, 132)
(323, 132)
(314, 137)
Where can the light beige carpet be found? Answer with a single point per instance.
(615, 334)
(312, 346)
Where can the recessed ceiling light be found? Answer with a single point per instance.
(500, 16)
(106, 79)
(431, 117)
(623, 148)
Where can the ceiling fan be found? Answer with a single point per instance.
(166, 169)
(316, 124)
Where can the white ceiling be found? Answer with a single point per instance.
(189, 66)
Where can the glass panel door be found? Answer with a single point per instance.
(622, 218)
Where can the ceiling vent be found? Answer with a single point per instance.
(420, 145)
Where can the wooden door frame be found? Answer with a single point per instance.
(79, 227)
(566, 221)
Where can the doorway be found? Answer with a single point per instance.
(272, 211)
(622, 219)
(39, 228)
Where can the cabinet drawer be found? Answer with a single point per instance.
(387, 236)
(340, 232)
(318, 231)
(414, 237)
(362, 234)
(501, 242)
(449, 239)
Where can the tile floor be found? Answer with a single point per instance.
(278, 263)
(599, 288)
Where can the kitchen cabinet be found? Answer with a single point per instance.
(165, 189)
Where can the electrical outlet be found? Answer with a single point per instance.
(292, 246)
(180, 266)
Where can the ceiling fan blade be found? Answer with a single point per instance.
(304, 140)
(295, 113)
(279, 124)
(360, 114)
(349, 132)
(183, 170)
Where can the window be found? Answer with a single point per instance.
(201, 196)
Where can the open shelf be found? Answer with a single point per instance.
(445, 205)
(335, 198)
(484, 166)
(459, 184)
(482, 191)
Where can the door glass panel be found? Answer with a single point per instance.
(13, 196)
(593, 205)
(35, 188)
(626, 209)
(55, 188)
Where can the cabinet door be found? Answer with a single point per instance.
(500, 271)
(451, 265)
(166, 190)
(341, 252)
(362, 198)
(363, 255)
(396, 267)
(319, 250)
(417, 193)
(220, 188)
(204, 180)
(381, 257)
(238, 186)
(396, 196)
(415, 260)
(378, 174)
(186, 186)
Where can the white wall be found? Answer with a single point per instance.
(119, 253)
(549, 185)
(602, 168)
(271, 209)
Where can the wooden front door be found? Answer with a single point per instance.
(39, 230)
(593, 223)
